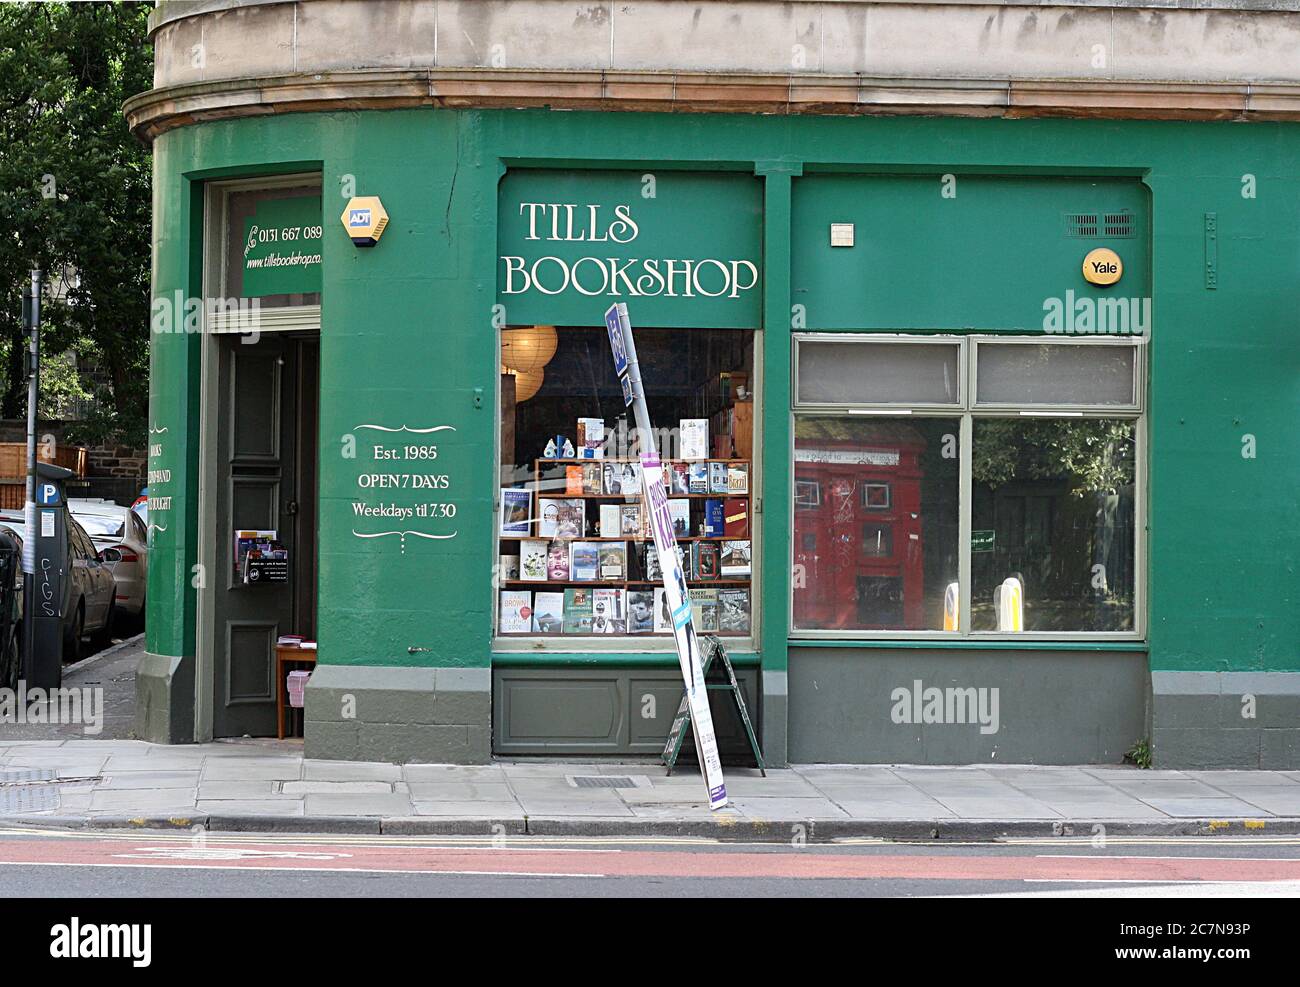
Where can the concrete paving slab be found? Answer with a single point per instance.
(151, 779)
(472, 809)
(1167, 788)
(452, 773)
(135, 800)
(1272, 799)
(536, 806)
(350, 771)
(1095, 810)
(252, 769)
(226, 790)
(253, 807)
(373, 804)
(981, 807)
(787, 808)
(151, 762)
(337, 788)
(1198, 808)
(1228, 781)
(465, 791)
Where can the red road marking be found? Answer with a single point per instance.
(636, 863)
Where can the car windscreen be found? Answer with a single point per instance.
(99, 526)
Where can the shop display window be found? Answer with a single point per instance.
(1035, 530)
(576, 558)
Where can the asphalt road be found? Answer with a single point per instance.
(144, 865)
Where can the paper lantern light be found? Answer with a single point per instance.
(528, 349)
(526, 384)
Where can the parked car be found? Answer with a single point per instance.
(89, 596)
(122, 542)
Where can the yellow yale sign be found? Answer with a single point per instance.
(1102, 266)
(364, 219)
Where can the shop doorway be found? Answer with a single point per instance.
(263, 505)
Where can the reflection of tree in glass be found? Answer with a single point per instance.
(1096, 453)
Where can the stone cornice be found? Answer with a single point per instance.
(160, 110)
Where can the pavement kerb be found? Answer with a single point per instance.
(724, 830)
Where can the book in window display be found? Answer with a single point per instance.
(584, 561)
(663, 616)
(698, 477)
(561, 518)
(591, 481)
(737, 478)
(532, 560)
(640, 611)
(516, 612)
(714, 519)
(630, 516)
(733, 611)
(680, 477)
(607, 612)
(509, 567)
(680, 510)
(578, 610)
(718, 478)
(694, 433)
(611, 523)
(704, 560)
(573, 481)
(735, 517)
(704, 610)
(515, 506)
(591, 438)
(548, 612)
(613, 561)
(735, 562)
(557, 561)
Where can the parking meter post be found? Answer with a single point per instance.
(33, 312)
(48, 610)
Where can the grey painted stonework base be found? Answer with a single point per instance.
(861, 705)
(400, 715)
(773, 736)
(1225, 719)
(164, 699)
(602, 711)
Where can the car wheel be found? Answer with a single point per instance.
(72, 642)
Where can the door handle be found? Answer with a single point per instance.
(291, 508)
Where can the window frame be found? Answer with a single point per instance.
(966, 414)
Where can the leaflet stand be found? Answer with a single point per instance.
(710, 648)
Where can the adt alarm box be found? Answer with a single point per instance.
(47, 572)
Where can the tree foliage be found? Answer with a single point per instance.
(75, 200)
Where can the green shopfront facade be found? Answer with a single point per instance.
(902, 304)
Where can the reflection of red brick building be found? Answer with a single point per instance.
(857, 529)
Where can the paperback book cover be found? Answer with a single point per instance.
(717, 478)
(607, 612)
(532, 560)
(698, 478)
(561, 518)
(630, 514)
(640, 611)
(704, 560)
(515, 505)
(613, 561)
(680, 480)
(591, 438)
(622, 479)
(680, 509)
(663, 618)
(591, 479)
(509, 566)
(548, 612)
(704, 610)
(516, 614)
(578, 610)
(573, 481)
(733, 611)
(735, 563)
(714, 522)
(694, 434)
(611, 520)
(737, 478)
(557, 561)
(584, 561)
